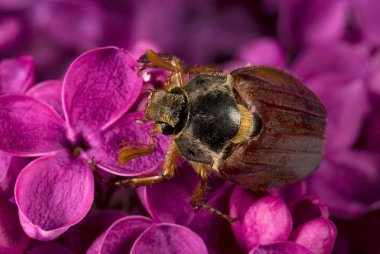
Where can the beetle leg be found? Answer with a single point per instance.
(199, 193)
(167, 171)
(167, 62)
(152, 59)
(132, 149)
(198, 198)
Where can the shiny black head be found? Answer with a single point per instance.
(169, 109)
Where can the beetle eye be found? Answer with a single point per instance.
(167, 129)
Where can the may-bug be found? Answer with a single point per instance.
(259, 127)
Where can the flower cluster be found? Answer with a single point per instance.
(61, 109)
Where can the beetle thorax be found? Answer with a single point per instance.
(166, 107)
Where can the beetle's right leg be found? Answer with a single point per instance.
(167, 172)
(198, 198)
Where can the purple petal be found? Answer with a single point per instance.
(16, 75)
(348, 183)
(50, 247)
(10, 167)
(268, 220)
(53, 193)
(317, 235)
(74, 24)
(240, 202)
(337, 93)
(307, 208)
(84, 233)
(302, 23)
(110, 141)
(281, 248)
(339, 57)
(265, 51)
(367, 14)
(49, 92)
(21, 134)
(11, 29)
(12, 238)
(121, 235)
(168, 238)
(99, 87)
(170, 201)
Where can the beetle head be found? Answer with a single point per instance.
(167, 109)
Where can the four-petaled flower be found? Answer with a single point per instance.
(56, 190)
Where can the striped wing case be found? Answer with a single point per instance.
(290, 144)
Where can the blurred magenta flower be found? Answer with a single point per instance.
(56, 190)
(348, 178)
(305, 23)
(366, 13)
(16, 75)
(263, 51)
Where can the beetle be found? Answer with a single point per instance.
(256, 126)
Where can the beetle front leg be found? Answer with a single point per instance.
(132, 150)
(168, 62)
(166, 173)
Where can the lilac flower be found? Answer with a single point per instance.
(56, 190)
(168, 205)
(267, 220)
(138, 234)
